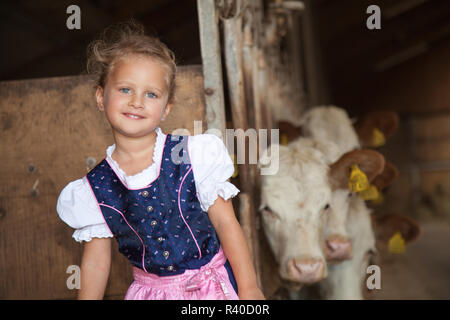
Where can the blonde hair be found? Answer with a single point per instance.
(128, 38)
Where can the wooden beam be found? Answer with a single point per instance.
(212, 65)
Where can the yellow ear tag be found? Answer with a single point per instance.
(284, 139)
(358, 180)
(378, 200)
(396, 244)
(370, 193)
(378, 138)
(236, 170)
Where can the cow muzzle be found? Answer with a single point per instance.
(338, 248)
(306, 270)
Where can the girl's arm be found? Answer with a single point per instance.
(95, 267)
(235, 247)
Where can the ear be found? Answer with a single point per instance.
(387, 225)
(99, 98)
(387, 177)
(289, 130)
(166, 110)
(384, 121)
(369, 161)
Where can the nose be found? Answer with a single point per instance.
(136, 101)
(306, 270)
(338, 248)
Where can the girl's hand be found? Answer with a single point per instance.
(251, 294)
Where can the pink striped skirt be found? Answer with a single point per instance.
(210, 282)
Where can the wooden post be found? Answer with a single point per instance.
(212, 66)
(235, 75)
(233, 64)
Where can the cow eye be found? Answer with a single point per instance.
(326, 206)
(268, 212)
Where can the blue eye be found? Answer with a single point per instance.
(124, 90)
(151, 95)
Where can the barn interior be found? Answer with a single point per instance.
(335, 59)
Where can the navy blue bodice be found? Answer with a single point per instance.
(160, 228)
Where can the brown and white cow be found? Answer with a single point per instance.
(330, 123)
(295, 205)
(333, 125)
(337, 241)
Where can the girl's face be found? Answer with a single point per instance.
(135, 97)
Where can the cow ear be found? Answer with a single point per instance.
(378, 122)
(369, 161)
(289, 131)
(386, 226)
(387, 177)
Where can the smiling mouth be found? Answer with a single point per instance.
(133, 116)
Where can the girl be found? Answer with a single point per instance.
(165, 198)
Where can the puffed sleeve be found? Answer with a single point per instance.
(212, 167)
(78, 208)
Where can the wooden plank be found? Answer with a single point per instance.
(234, 67)
(236, 73)
(210, 50)
(53, 126)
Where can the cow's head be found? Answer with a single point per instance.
(294, 208)
(338, 246)
(330, 123)
(347, 277)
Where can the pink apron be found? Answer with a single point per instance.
(210, 282)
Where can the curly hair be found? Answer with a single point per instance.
(128, 38)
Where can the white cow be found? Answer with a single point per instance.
(333, 125)
(295, 204)
(330, 123)
(345, 279)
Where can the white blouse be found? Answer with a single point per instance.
(211, 166)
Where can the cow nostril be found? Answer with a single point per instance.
(308, 267)
(331, 245)
(339, 249)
